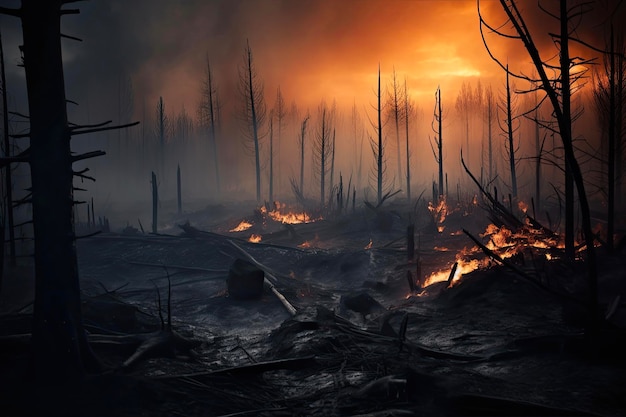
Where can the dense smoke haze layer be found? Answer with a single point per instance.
(135, 52)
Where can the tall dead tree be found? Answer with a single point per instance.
(253, 110)
(161, 131)
(8, 177)
(357, 136)
(408, 108)
(379, 151)
(507, 128)
(438, 138)
(271, 179)
(301, 144)
(490, 107)
(560, 100)
(59, 342)
(609, 102)
(322, 147)
(207, 114)
(395, 110)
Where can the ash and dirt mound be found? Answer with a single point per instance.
(491, 344)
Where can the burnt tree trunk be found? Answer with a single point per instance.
(60, 346)
(9, 223)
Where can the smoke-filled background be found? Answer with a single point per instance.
(135, 53)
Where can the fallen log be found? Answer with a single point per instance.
(268, 274)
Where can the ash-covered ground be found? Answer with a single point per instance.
(495, 341)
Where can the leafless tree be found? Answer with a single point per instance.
(609, 102)
(322, 148)
(208, 114)
(437, 127)
(395, 113)
(253, 110)
(509, 126)
(558, 92)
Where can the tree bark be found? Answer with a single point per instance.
(60, 347)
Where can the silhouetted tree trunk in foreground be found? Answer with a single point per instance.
(9, 223)
(562, 113)
(60, 347)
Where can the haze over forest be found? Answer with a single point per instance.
(134, 53)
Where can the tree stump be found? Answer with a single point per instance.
(245, 280)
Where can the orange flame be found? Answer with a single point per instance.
(254, 238)
(522, 206)
(290, 217)
(439, 213)
(244, 225)
(463, 267)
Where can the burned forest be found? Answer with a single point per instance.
(296, 208)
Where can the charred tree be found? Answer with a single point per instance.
(322, 147)
(490, 110)
(9, 223)
(271, 181)
(162, 127)
(301, 144)
(396, 114)
(560, 101)
(509, 130)
(609, 101)
(208, 119)
(438, 139)
(379, 151)
(407, 115)
(59, 342)
(254, 111)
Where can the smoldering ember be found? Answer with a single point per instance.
(312, 208)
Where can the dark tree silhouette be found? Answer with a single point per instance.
(508, 129)
(207, 114)
(438, 139)
(559, 95)
(379, 151)
(301, 144)
(322, 147)
(406, 114)
(162, 127)
(395, 110)
(609, 102)
(490, 108)
(253, 110)
(7, 223)
(59, 342)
